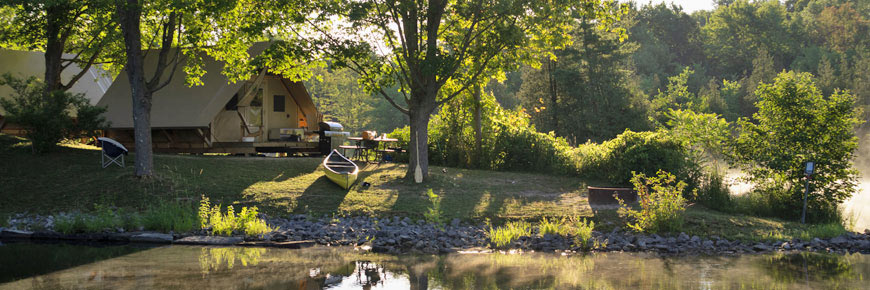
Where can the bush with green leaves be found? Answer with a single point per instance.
(661, 202)
(48, 118)
(795, 124)
(616, 160)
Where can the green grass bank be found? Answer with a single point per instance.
(71, 179)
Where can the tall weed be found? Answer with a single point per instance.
(662, 205)
(434, 214)
(555, 227)
(583, 233)
(229, 223)
(502, 236)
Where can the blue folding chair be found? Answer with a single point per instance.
(113, 152)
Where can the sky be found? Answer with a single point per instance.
(689, 6)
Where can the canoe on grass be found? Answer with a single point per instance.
(340, 170)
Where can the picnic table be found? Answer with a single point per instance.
(377, 146)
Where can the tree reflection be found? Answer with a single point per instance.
(798, 267)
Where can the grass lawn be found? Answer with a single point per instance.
(71, 179)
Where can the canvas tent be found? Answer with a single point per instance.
(25, 64)
(265, 113)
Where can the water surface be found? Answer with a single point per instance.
(189, 267)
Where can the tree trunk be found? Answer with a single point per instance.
(128, 14)
(554, 112)
(478, 130)
(53, 48)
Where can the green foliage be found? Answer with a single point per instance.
(645, 152)
(169, 217)
(509, 141)
(714, 193)
(502, 236)
(577, 94)
(557, 227)
(796, 124)
(49, 118)
(583, 233)
(662, 205)
(677, 97)
(434, 214)
(227, 224)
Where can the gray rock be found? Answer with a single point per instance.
(151, 238)
(708, 245)
(641, 243)
(209, 240)
(683, 237)
(840, 241)
(15, 234)
(695, 239)
(455, 223)
(761, 248)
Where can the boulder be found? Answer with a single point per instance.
(15, 234)
(209, 240)
(151, 238)
(761, 248)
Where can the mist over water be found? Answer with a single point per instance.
(858, 207)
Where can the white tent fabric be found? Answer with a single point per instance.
(176, 105)
(25, 64)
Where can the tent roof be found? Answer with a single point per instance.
(25, 64)
(176, 105)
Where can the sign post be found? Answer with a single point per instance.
(811, 166)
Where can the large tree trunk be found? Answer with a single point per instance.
(128, 14)
(53, 47)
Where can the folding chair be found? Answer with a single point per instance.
(112, 152)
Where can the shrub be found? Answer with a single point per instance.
(227, 224)
(583, 233)
(504, 235)
(662, 205)
(616, 160)
(434, 214)
(555, 227)
(47, 117)
(796, 124)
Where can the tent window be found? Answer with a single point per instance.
(233, 104)
(279, 103)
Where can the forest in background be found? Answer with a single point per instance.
(707, 61)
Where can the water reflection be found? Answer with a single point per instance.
(218, 259)
(181, 267)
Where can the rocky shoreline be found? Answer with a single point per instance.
(402, 235)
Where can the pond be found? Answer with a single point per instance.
(63, 266)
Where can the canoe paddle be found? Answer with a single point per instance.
(418, 173)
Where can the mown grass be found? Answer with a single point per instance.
(71, 180)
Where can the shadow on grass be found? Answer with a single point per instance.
(322, 196)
